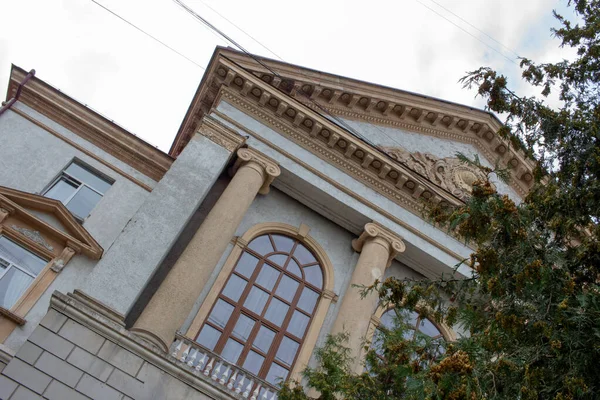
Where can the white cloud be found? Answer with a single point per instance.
(98, 59)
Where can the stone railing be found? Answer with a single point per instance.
(230, 377)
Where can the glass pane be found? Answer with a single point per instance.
(12, 285)
(276, 374)
(234, 288)
(410, 318)
(264, 339)
(308, 299)
(221, 313)
(287, 351)
(427, 327)
(262, 245)
(287, 288)
(246, 265)
(387, 319)
(25, 259)
(298, 324)
(276, 311)
(314, 275)
(267, 277)
(278, 259)
(232, 350)
(243, 327)
(88, 177)
(303, 255)
(256, 300)
(294, 268)
(283, 243)
(83, 202)
(253, 362)
(208, 337)
(61, 190)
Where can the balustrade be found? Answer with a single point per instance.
(224, 374)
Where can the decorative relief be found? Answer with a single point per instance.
(220, 135)
(34, 236)
(59, 263)
(449, 173)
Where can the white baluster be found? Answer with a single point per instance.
(200, 364)
(232, 380)
(177, 348)
(248, 389)
(192, 358)
(185, 353)
(264, 396)
(240, 384)
(256, 392)
(209, 367)
(225, 375)
(216, 371)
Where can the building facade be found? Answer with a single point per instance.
(216, 270)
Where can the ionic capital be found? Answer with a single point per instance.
(377, 233)
(251, 158)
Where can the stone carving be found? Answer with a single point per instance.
(374, 230)
(59, 263)
(270, 167)
(33, 235)
(449, 173)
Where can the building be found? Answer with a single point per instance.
(216, 269)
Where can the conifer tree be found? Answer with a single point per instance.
(531, 310)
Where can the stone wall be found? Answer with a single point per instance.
(77, 353)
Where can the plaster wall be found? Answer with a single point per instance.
(415, 142)
(126, 267)
(30, 159)
(368, 213)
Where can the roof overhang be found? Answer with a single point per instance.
(90, 125)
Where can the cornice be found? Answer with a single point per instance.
(91, 126)
(375, 104)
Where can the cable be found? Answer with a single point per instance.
(240, 29)
(336, 120)
(149, 35)
(474, 27)
(467, 32)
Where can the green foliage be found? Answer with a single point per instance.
(532, 306)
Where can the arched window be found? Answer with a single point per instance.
(415, 326)
(263, 312)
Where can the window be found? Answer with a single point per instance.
(415, 327)
(79, 189)
(18, 268)
(262, 314)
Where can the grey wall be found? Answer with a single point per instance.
(30, 159)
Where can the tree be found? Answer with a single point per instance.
(532, 308)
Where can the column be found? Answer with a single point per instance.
(377, 247)
(172, 302)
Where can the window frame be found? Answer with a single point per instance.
(281, 332)
(71, 179)
(4, 271)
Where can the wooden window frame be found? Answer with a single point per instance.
(261, 320)
(239, 244)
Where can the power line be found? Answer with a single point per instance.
(334, 118)
(241, 30)
(467, 32)
(476, 28)
(149, 35)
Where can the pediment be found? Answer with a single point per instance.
(351, 100)
(50, 216)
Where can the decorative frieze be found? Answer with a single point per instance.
(34, 236)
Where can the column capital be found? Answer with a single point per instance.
(266, 166)
(373, 231)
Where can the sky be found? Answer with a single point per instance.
(423, 46)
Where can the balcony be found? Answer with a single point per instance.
(229, 377)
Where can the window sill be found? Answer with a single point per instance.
(12, 316)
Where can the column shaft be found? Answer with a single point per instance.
(172, 302)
